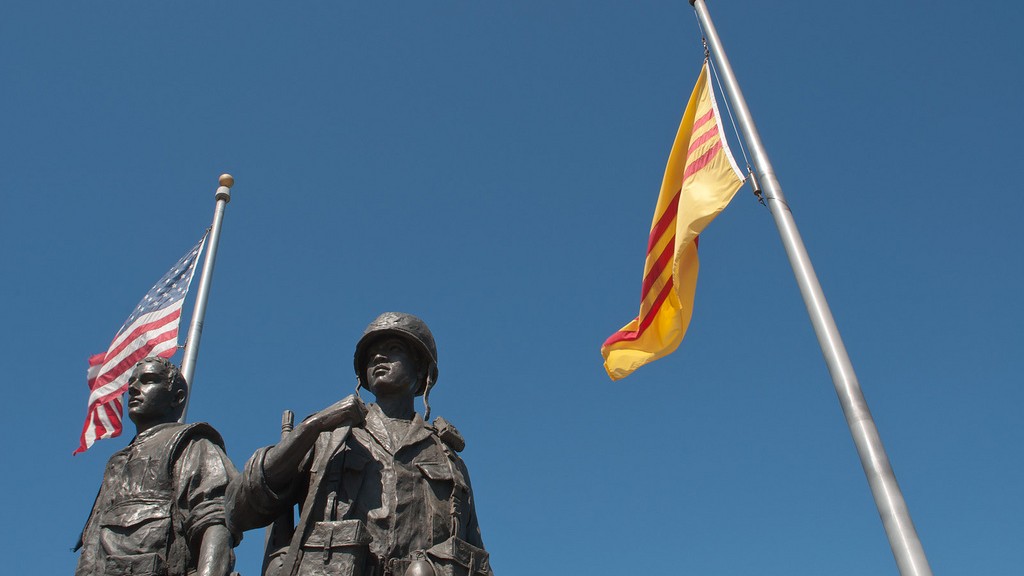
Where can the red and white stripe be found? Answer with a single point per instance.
(104, 418)
(153, 334)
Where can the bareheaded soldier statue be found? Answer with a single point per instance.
(160, 509)
(380, 491)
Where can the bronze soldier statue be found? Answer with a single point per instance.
(160, 509)
(380, 491)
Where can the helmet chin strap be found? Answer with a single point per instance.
(426, 397)
(426, 400)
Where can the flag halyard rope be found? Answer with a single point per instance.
(754, 184)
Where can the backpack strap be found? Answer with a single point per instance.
(318, 472)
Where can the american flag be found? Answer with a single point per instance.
(151, 330)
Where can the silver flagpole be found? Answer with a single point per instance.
(906, 546)
(195, 329)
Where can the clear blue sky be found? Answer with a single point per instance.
(493, 168)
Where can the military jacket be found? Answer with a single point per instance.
(159, 494)
(371, 502)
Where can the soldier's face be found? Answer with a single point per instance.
(150, 397)
(391, 368)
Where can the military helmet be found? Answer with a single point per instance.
(407, 327)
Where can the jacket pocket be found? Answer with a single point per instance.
(150, 564)
(445, 479)
(136, 528)
(335, 547)
(448, 497)
(135, 512)
(456, 557)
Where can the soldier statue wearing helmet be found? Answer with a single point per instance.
(416, 333)
(380, 491)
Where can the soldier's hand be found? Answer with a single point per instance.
(349, 411)
(281, 461)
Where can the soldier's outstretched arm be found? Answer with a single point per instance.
(281, 463)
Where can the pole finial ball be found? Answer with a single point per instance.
(227, 180)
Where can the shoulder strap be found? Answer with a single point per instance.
(317, 473)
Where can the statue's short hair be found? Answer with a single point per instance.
(175, 379)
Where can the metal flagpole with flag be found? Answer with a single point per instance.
(700, 179)
(903, 539)
(150, 330)
(195, 330)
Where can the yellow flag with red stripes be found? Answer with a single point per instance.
(700, 180)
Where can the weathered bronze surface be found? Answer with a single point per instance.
(380, 491)
(160, 509)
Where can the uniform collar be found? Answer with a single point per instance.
(375, 425)
(151, 431)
